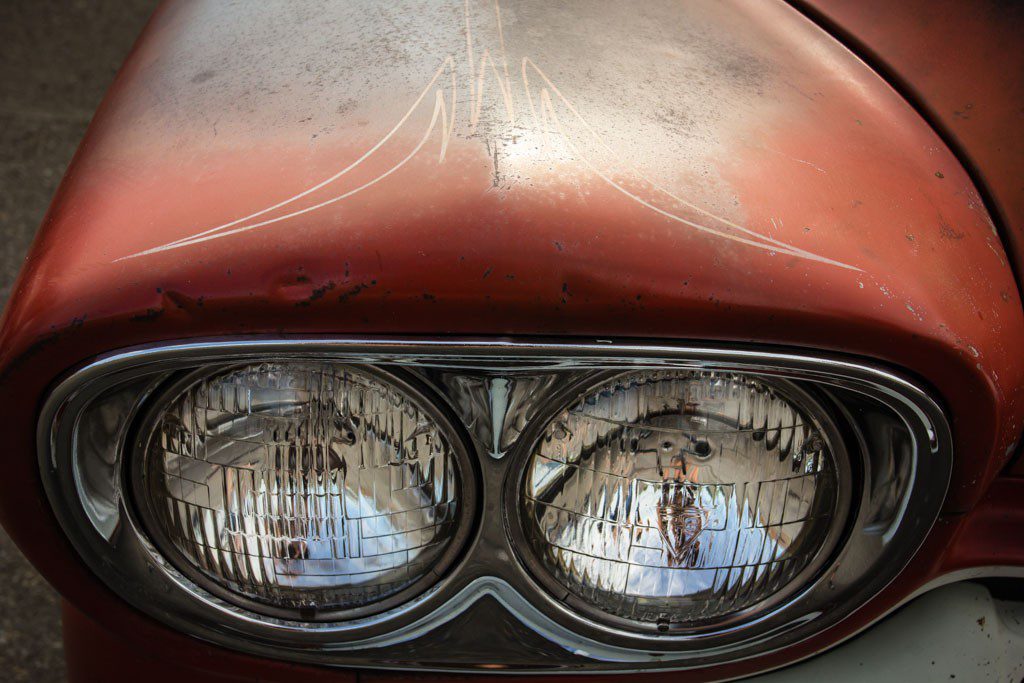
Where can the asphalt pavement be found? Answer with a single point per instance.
(56, 61)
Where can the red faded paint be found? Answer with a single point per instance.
(95, 654)
(988, 534)
(719, 172)
(961, 62)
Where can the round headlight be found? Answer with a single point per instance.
(676, 500)
(303, 490)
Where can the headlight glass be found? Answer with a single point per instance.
(684, 498)
(304, 487)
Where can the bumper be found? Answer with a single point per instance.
(958, 631)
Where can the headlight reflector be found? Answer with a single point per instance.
(302, 487)
(683, 498)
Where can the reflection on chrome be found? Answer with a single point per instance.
(302, 485)
(674, 497)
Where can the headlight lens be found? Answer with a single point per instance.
(679, 498)
(305, 487)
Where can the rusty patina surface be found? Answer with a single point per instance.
(711, 171)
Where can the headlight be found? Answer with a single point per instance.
(675, 499)
(301, 487)
(481, 504)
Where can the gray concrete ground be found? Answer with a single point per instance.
(56, 60)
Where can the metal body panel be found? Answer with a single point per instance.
(712, 171)
(961, 63)
(958, 63)
(781, 194)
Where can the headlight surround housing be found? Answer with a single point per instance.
(495, 394)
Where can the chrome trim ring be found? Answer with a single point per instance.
(145, 518)
(527, 554)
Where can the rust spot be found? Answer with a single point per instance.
(355, 291)
(317, 293)
(947, 231)
(150, 315)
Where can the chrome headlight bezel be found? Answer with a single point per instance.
(894, 508)
(145, 518)
(820, 406)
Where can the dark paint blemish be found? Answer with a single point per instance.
(965, 112)
(182, 301)
(355, 291)
(203, 76)
(427, 296)
(947, 231)
(559, 246)
(43, 342)
(487, 273)
(150, 315)
(317, 293)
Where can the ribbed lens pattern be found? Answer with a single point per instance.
(303, 485)
(675, 497)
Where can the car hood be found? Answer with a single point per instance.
(714, 171)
